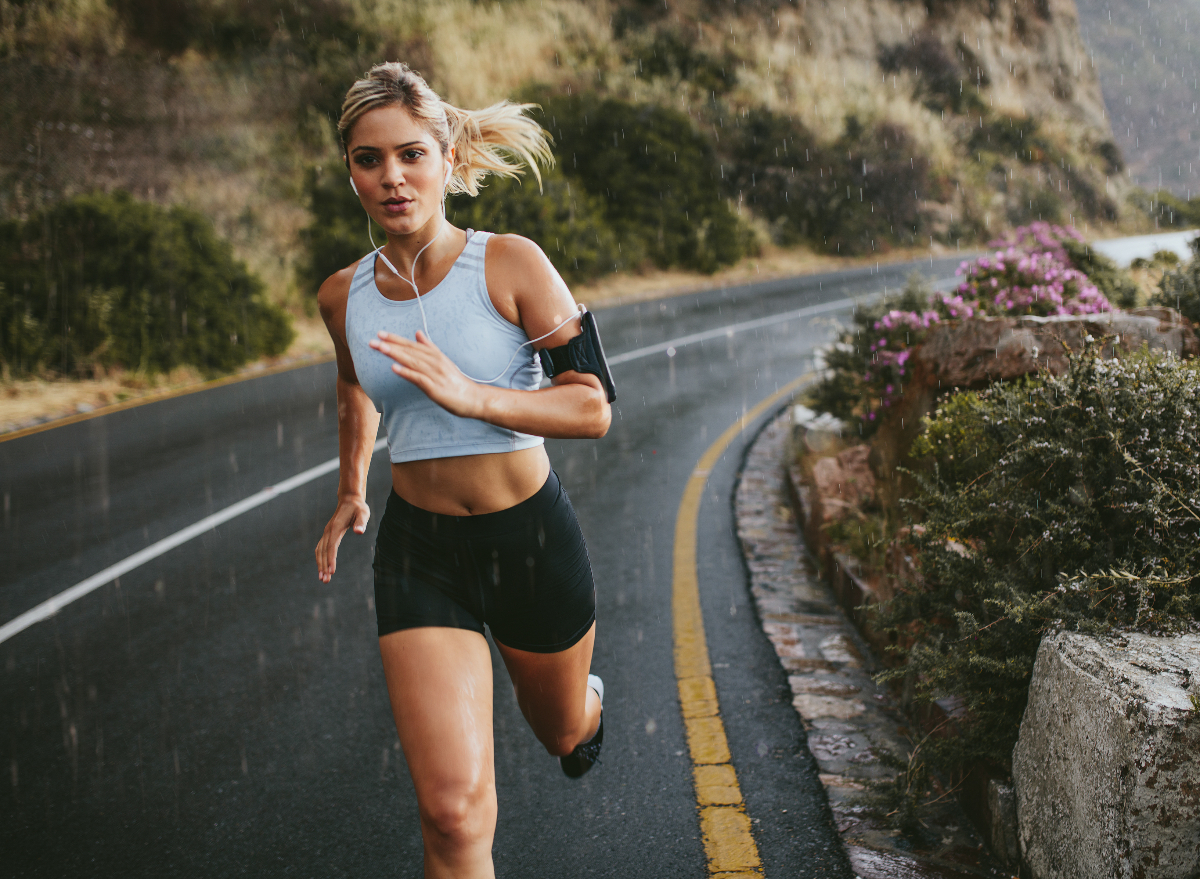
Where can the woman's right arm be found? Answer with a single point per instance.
(358, 423)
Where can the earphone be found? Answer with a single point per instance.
(378, 250)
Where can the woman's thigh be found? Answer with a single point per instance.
(440, 684)
(552, 690)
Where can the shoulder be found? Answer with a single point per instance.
(331, 298)
(516, 252)
(515, 264)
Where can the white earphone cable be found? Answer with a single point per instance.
(425, 323)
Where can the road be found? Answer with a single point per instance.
(219, 711)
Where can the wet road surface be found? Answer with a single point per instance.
(219, 711)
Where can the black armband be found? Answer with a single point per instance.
(584, 353)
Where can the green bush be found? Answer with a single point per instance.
(1180, 289)
(1115, 283)
(105, 279)
(854, 196)
(566, 221)
(865, 372)
(563, 218)
(337, 234)
(656, 175)
(1051, 503)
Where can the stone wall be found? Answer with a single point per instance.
(1107, 767)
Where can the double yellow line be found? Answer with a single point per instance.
(728, 842)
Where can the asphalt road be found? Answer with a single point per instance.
(219, 711)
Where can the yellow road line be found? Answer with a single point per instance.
(728, 843)
(158, 398)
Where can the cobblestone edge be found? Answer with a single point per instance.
(849, 719)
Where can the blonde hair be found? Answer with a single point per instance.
(495, 140)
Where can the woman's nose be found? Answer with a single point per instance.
(393, 173)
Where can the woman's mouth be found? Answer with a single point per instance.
(397, 205)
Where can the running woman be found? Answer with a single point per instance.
(433, 331)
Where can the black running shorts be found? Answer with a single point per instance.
(524, 572)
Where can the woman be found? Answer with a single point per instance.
(477, 530)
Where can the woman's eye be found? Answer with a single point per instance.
(413, 154)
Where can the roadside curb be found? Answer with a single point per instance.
(850, 721)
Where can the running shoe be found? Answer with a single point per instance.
(587, 754)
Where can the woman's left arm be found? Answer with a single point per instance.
(527, 290)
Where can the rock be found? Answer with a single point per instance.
(973, 353)
(1107, 766)
(842, 483)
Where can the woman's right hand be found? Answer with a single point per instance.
(350, 513)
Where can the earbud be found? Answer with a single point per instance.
(449, 174)
(352, 186)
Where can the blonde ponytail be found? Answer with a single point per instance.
(499, 139)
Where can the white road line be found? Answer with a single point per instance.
(721, 332)
(51, 606)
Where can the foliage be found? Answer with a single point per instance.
(1180, 289)
(1115, 284)
(563, 218)
(1051, 503)
(337, 235)
(565, 221)
(1030, 273)
(865, 371)
(105, 279)
(855, 195)
(656, 176)
(943, 82)
(1167, 209)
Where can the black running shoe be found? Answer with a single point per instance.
(587, 754)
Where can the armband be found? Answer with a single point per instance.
(584, 353)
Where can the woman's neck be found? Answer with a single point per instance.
(431, 241)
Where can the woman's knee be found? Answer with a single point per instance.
(460, 816)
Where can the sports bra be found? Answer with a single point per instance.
(465, 325)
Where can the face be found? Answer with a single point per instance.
(398, 169)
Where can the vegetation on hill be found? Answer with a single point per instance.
(104, 280)
(688, 134)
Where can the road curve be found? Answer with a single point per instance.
(218, 710)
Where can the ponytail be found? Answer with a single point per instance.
(499, 139)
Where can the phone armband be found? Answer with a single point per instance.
(584, 353)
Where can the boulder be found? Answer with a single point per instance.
(973, 353)
(1107, 767)
(842, 484)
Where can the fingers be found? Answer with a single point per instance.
(347, 516)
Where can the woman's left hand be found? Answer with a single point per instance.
(423, 363)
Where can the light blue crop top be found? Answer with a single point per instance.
(465, 325)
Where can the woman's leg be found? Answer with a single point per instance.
(440, 684)
(553, 693)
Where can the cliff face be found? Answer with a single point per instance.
(1027, 56)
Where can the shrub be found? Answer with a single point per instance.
(1030, 273)
(853, 196)
(943, 81)
(105, 279)
(865, 372)
(563, 218)
(337, 235)
(656, 175)
(1048, 503)
(1114, 283)
(1180, 289)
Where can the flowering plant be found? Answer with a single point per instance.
(1029, 273)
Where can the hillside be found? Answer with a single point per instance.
(1146, 54)
(842, 127)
